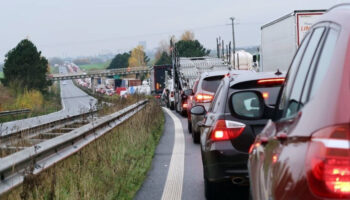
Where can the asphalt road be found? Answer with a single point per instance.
(74, 101)
(166, 180)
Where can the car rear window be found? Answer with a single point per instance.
(270, 94)
(211, 84)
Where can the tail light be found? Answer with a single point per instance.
(271, 81)
(171, 94)
(203, 98)
(184, 105)
(226, 130)
(328, 162)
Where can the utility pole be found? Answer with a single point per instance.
(233, 42)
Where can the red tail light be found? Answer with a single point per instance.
(184, 105)
(226, 130)
(203, 98)
(271, 81)
(328, 162)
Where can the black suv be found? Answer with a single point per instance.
(225, 139)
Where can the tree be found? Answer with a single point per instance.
(187, 35)
(138, 57)
(120, 61)
(164, 59)
(191, 48)
(25, 66)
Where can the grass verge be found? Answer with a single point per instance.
(40, 104)
(98, 66)
(112, 167)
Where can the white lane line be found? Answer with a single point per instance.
(174, 181)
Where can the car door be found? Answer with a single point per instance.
(281, 150)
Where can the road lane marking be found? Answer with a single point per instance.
(174, 181)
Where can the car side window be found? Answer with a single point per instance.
(291, 74)
(294, 101)
(324, 61)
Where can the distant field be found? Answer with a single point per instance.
(94, 66)
(1, 74)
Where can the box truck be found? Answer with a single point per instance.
(281, 38)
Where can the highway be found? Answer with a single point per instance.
(177, 173)
(74, 101)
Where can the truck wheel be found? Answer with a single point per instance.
(189, 126)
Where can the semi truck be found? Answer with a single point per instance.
(158, 78)
(281, 38)
(186, 71)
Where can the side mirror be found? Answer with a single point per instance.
(248, 105)
(198, 110)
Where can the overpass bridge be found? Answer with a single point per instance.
(99, 73)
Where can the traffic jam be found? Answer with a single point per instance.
(283, 131)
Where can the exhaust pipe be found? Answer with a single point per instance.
(239, 180)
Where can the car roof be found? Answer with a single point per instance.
(223, 72)
(339, 14)
(255, 76)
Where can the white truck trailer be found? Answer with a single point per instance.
(281, 38)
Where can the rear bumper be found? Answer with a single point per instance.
(222, 163)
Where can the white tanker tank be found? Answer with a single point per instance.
(243, 61)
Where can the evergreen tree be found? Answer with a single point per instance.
(164, 59)
(25, 66)
(120, 61)
(191, 48)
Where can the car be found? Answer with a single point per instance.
(225, 139)
(190, 102)
(207, 84)
(304, 151)
(206, 87)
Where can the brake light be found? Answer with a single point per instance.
(204, 98)
(265, 95)
(226, 130)
(184, 105)
(328, 162)
(271, 81)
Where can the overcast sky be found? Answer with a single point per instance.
(90, 27)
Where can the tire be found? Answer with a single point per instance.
(195, 136)
(210, 190)
(189, 126)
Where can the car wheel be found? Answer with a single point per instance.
(210, 189)
(195, 136)
(189, 126)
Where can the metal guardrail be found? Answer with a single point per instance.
(34, 160)
(99, 73)
(14, 112)
(40, 127)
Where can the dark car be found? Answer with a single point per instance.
(207, 85)
(304, 152)
(225, 139)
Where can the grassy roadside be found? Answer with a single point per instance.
(1, 75)
(98, 66)
(113, 167)
(40, 104)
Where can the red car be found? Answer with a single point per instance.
(304, 151)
